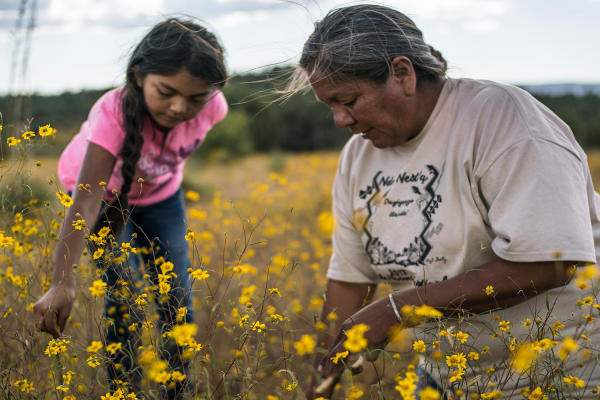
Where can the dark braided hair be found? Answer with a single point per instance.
(169, 47)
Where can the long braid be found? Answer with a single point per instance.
(116, 212)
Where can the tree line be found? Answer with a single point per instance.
(258, 122)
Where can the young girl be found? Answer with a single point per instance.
(137, 139)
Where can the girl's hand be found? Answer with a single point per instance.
(380, 319)
(53, 309)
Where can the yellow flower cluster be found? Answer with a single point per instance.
(305, 345)
(98, 288)
(25, 385)
(65, 199)
(355, 340)
(56, 346)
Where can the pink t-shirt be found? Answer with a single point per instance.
(162, 172)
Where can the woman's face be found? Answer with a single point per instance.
(386, 114)
(172, 99)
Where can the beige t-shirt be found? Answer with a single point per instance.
(493, 174)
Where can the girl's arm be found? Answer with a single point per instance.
(98, 165)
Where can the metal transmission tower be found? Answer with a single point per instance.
(19, 103)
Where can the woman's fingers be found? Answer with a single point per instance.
(330, 371)
(357, 366)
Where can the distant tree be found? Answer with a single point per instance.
(257, 122)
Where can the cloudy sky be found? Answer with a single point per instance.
(85, 43)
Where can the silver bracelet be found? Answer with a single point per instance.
(398, 316)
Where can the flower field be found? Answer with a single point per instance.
(260, 236)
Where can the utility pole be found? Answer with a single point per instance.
(18, 102)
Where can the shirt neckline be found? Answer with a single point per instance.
(441, 101)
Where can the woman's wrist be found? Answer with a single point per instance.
(395, 308)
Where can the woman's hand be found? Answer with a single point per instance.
(53, 309)
(380, 318)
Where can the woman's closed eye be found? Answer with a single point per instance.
(350, 103)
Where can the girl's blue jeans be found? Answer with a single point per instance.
(161, 230)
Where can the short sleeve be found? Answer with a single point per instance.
(219, 107)
(104, 124)
(349, 259)
(536, 195)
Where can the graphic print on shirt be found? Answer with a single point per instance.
(404, 203)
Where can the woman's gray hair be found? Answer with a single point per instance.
(360, 42)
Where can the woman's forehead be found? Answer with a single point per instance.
(328, 89)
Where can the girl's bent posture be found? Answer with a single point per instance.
(137, 139)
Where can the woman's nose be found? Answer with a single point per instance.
(342, 117)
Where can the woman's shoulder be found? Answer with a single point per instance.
(502, 116)
(510, 107)
(485, 93)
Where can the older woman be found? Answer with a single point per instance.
(449, 187)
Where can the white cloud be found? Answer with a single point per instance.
(444, 29)
(101, 11)
(447, 9)
(237, 18)
(479, 26)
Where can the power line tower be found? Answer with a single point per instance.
(18, 103)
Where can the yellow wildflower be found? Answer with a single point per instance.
(12, 141)
(190, 236)
(572, 380)
(181, 313)
(537, 394)
(93, 361)
(419, 346)
(113, 347)
(462, 337)
(199, 274)
(504, 325)
(429, 393)
(456, 360)
(98, 253)
(28, 135)
(98, 288)
(65, 199)
(183, 334)
(56, 346)
(339, 356)
(457, 375)
(305, 345)
(46, 130)
(355, 340)
(192, 196)
(79, 224)
(568, 346)
(94, 347)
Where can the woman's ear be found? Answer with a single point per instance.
(403, 74)
(138, 78)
